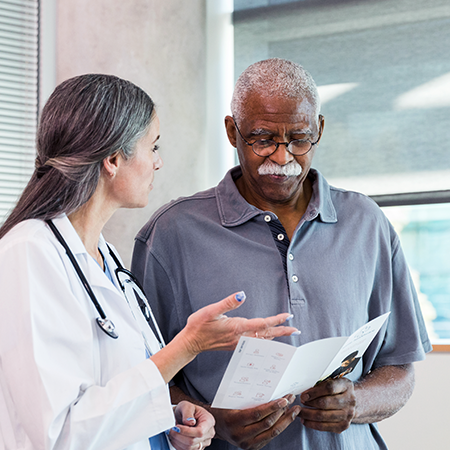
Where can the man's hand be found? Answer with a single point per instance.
(253, 428)
(334, 404)
(330, 405)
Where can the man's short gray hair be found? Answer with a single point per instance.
(274, 77)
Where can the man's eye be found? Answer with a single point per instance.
(155, 148)
(264, 143)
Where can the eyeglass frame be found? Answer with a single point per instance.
(277, 144)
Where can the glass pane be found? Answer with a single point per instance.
(424, 232)
(383, 71)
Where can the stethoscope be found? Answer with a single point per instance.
(125, 278)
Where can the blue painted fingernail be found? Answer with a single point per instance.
(167, 432)
(296, 333)
(289, 317)
(240, 296)
(191, 419)
(176, 429)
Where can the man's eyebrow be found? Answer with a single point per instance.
(260, 132)
(302, 131)
(264, 132)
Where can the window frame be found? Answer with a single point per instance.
(280, 8)
(20, 90)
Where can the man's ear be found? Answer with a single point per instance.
(111, 163)
(231, 130)
(321, 126)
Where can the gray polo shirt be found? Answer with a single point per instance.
(344, 266)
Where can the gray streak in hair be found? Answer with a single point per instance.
(85, 120)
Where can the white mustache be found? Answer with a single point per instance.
(268, 167)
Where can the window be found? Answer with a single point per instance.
(383, 74)
(18, 97)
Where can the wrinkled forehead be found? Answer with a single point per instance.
(260, 107)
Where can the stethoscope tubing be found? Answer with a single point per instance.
(75, 264)
(103, 322)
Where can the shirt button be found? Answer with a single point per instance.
(294, 278)
(312, 212)
(267, 218)
(280, 237)
(291, 256)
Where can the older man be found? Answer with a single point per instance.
(274, 228)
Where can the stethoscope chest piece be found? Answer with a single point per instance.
(108, 327)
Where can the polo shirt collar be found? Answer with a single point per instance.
(321, 204)
(234, 210)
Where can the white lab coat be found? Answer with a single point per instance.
(64, 383)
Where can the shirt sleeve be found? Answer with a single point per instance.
(51, 364)
(405, 339)
(159, 288)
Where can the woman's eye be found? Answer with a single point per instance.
(155, 148)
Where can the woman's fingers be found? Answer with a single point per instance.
(218, 309)
(198, 428)
(233, 301)
(211, 329)
(268, 328)
(272, 333)
(185, 414)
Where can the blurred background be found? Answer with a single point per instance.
(383, 72)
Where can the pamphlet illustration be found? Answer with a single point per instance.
(260, 370)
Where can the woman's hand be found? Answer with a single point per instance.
(210, 329)
(195, 425)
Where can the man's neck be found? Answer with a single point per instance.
(289, 212)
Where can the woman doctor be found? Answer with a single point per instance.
(79, 365)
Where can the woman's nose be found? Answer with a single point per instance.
(158, 162)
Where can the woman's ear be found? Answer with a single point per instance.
(111, 164)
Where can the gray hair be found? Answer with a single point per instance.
(274, 77)
(86, 119)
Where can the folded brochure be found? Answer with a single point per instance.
(261, 370)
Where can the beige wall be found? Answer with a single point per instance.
(424, 423)
(159, 45)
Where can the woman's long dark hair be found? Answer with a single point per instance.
(86, 119)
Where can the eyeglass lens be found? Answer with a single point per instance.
(267, 147)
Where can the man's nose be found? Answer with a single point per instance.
(281, 156)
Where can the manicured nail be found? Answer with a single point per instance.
(296, 333)
(176, 429)
(240, 296)
(191, 419)
(289, 317)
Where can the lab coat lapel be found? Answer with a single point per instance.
(89, 266)
(149, 336)
(109, 259)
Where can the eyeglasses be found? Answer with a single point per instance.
(266, 147)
